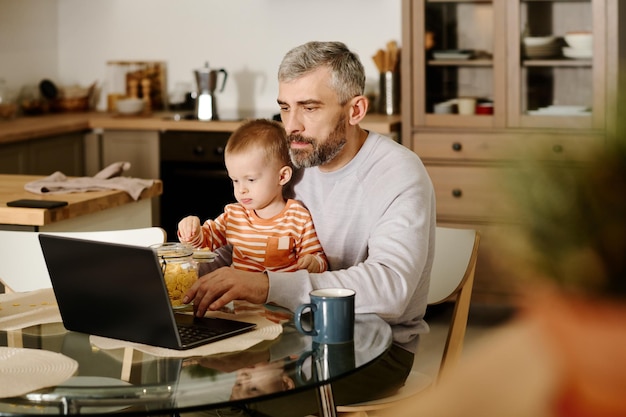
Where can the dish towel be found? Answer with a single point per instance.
(107, 179)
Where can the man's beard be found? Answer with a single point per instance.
(322, 153)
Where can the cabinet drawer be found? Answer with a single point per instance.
(470, 193)
(503, 146)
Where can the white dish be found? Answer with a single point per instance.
(542, 51)
(538, 40)
(577, 53)
(129, 105)
(579, 40)
(452, 55)
(24, 370)
(556, 110)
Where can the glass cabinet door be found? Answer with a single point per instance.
(460, 72)
(556, 63)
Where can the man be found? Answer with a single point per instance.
(372, 204)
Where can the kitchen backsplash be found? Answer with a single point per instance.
(71, 41)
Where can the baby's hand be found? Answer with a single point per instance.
(188, 228)
(310, 263)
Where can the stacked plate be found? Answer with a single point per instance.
(536, 47)
(579, 45)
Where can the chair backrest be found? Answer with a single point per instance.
(452, 279)
(23, 268)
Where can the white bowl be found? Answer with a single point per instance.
(129, 105)
(579, 40)
(577, 53)
(538, 40)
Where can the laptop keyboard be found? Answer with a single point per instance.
(193, 334)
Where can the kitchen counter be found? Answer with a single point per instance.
(31, 127)
(92, 210)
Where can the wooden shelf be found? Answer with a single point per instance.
(557, 63)
(461, 62)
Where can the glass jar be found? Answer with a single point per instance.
(180, 271)
(8, 107)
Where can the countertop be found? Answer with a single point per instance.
(31, 127)
(79, 204)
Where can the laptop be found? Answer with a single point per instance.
(118, 291)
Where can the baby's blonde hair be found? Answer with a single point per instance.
(266, 134)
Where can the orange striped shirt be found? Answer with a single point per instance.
(273, 244)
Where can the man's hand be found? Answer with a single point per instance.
(216, 289)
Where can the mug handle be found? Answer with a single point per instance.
(297, 319)
(300, 376)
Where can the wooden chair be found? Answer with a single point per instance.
(23, 268)
(452, 279)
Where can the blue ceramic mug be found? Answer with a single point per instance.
(332, 316)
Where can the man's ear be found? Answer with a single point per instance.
(285, 174)
(358, 109)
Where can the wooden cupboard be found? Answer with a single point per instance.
(43, 156)
(547, 106)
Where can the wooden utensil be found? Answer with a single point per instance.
(379, 60)
(392, 51)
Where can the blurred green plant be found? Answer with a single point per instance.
(573, 218)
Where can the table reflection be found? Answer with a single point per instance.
(126, 380)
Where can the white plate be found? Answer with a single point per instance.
(556, 110)
(577, 53)
(538, 40)
(25, 370)
(452, 55)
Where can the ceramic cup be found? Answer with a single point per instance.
(466, 105)
(332, 316)
(484, 108)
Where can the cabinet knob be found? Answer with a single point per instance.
(219, 150)
(456, 146)
(557, 148)
(198, 150)
(457, 192)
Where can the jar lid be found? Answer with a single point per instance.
(171, 250)
(204, 255)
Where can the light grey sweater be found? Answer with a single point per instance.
(375, 218)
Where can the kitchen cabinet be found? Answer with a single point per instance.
(548, 107)
(141, 149)
(44, 156)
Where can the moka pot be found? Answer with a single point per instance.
(207, 81)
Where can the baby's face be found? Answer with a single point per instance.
(256, 183)
(260, 380)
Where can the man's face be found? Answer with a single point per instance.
(313, 117)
